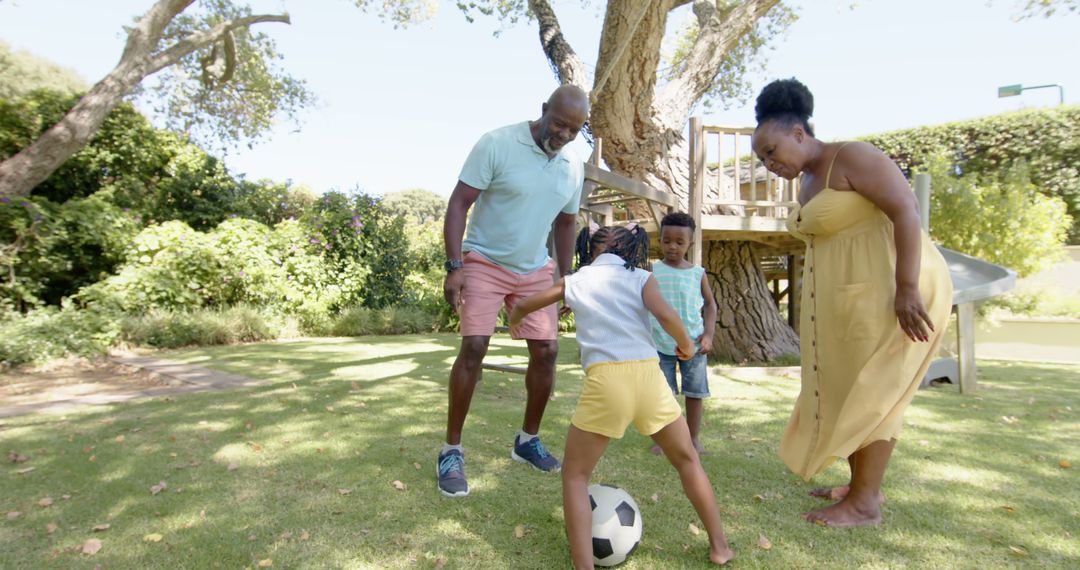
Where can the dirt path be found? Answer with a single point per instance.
(120, 378)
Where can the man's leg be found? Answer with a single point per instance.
(539, 381)
(463, 378)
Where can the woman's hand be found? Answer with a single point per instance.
(911, 314)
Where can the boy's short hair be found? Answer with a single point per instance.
(678, 220)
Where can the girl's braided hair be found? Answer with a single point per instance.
(630, 242)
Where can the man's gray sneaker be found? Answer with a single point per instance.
(451, 472)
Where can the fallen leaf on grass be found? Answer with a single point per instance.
(655, 497)
(416, 465)
(820, 522)
(119, 439)
(65, 497)
(759, 498)
(304, 535)
(354, 386)
(101, 527)
(92, 458)
(51, 528)
(155, 537)
(91, 546)
(1018, 551)
(25, 471)
(344, 491)
(399, 485)
(45, 503)
(329, 408)
(266, 563)
(1008, 509)
(519, 531)
(440, 562)
(694, 530)
(232, 467)
(18, 457)
(763, 542)
(1010, 419)
(1064, 464)
(12, 515)
(161, 486)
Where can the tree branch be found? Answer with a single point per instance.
(562, 57)
(148, 30)
(204, 38)
(718, 34)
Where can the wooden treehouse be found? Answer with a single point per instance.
(731, 196)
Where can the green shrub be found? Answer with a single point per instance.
(1047, 140)
(50, 332)
(1004, 220)
(204, 327)
(363, 321)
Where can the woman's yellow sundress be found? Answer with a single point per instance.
(859, 370)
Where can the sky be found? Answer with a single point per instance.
(400, 109)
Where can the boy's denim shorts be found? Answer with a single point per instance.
(694, 373)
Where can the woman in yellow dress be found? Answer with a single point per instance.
(875, 300)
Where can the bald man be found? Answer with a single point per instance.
(521, 179)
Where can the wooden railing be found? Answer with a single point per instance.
(727, 179)
(603, 190)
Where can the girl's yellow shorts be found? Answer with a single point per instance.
(618, 393)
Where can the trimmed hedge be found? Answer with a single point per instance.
(1047, 140)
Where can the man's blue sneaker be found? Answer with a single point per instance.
(533, 453)
(451, 472)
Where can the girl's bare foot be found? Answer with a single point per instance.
(721, 555)
(848, 512)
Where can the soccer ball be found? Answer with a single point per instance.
(616, 524)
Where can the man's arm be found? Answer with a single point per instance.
(457, 211)
(565, 235)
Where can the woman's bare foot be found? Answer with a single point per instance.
(656, 450)
(848, 512)
(831, 493)
(837, 493)
(721, 556)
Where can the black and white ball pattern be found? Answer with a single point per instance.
(616, 524)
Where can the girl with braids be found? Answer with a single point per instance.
(612, 299)
(876, 297)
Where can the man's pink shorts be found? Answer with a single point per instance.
(488, 287)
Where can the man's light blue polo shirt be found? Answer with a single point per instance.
(521, 193)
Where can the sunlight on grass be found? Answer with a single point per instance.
(352, 470)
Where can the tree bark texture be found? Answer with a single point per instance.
(748, 326)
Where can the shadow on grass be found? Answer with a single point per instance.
(303, 472)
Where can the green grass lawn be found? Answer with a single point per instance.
(302, 473)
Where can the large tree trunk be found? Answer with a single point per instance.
(642, 128)
(748, 327)
(20, 173)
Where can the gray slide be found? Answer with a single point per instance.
(973, 280)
